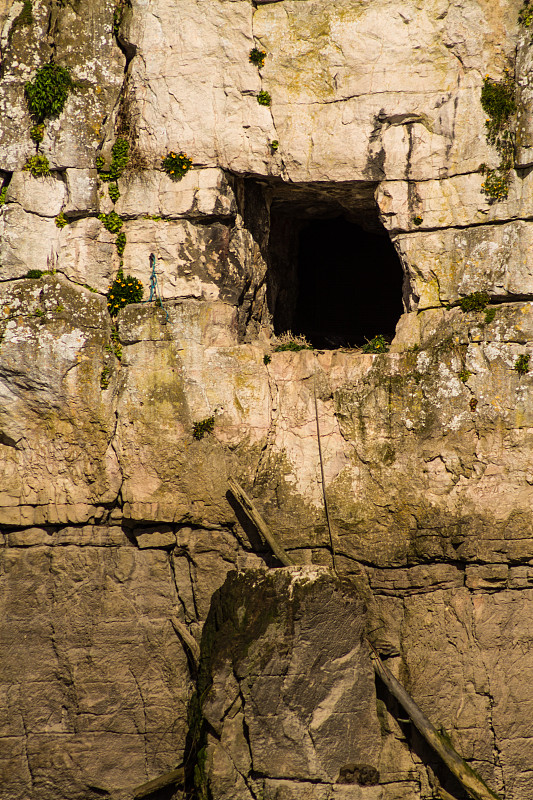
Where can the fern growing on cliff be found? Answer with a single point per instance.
(47, 93)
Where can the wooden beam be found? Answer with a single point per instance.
(474, 785)
(253, 514)
(169, 778)
(188, 640)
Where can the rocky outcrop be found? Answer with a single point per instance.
(114, 514)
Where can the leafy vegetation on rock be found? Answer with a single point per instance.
(120, 156)
(521, 365)
(38, 166)
(124, 290)
(477, 301)
(525, 16)
(498, 102)
(202, 427)
(48, 91)
(257, 57)
(61, 220)
(264, 98)
(376, 345)
(111, 222)
(176, 165)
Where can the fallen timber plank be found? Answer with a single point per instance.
(466, 776)
(253, 514)
(175, 776)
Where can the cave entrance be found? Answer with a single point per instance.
(335, 276)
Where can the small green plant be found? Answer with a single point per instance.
(496, 184)
(267, 359)
(37, 133)
(114, 192)
(117, 19)
(124, 290)
(48, 92)
(417, 221)
(3, 193)
(274, 145)
(473, 403)
(176, 165)
(39, 313)
(464, 375)
(121, 243)
(498, 102)
(120, 156)
(59, 308)
(202, 427)
(104, 377)
(61, 220)
(477, 301)
(34, 273)
(111, 222)
(376, 345)
(288, 341)
(521, 365)
(490, 313)
(115, 343)
(264, 98)
(38, 166)
(257, 57)
(525, 16)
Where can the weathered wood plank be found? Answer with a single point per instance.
(466, 776)
(253, 514)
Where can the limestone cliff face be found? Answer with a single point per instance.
(114, 518)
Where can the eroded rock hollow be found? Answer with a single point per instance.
(358, 174)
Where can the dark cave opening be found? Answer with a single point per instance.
(337, 282)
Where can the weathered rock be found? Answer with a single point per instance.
(285, 681)
(375, 115)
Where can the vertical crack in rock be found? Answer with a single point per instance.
(145, 731)
(496, 750)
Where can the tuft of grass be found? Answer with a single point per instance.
(291, 342)
(34, 273)
(490, 313)
(61, 220)
(464, 375)
(266, 359)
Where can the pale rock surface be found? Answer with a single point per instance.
(115, 519)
